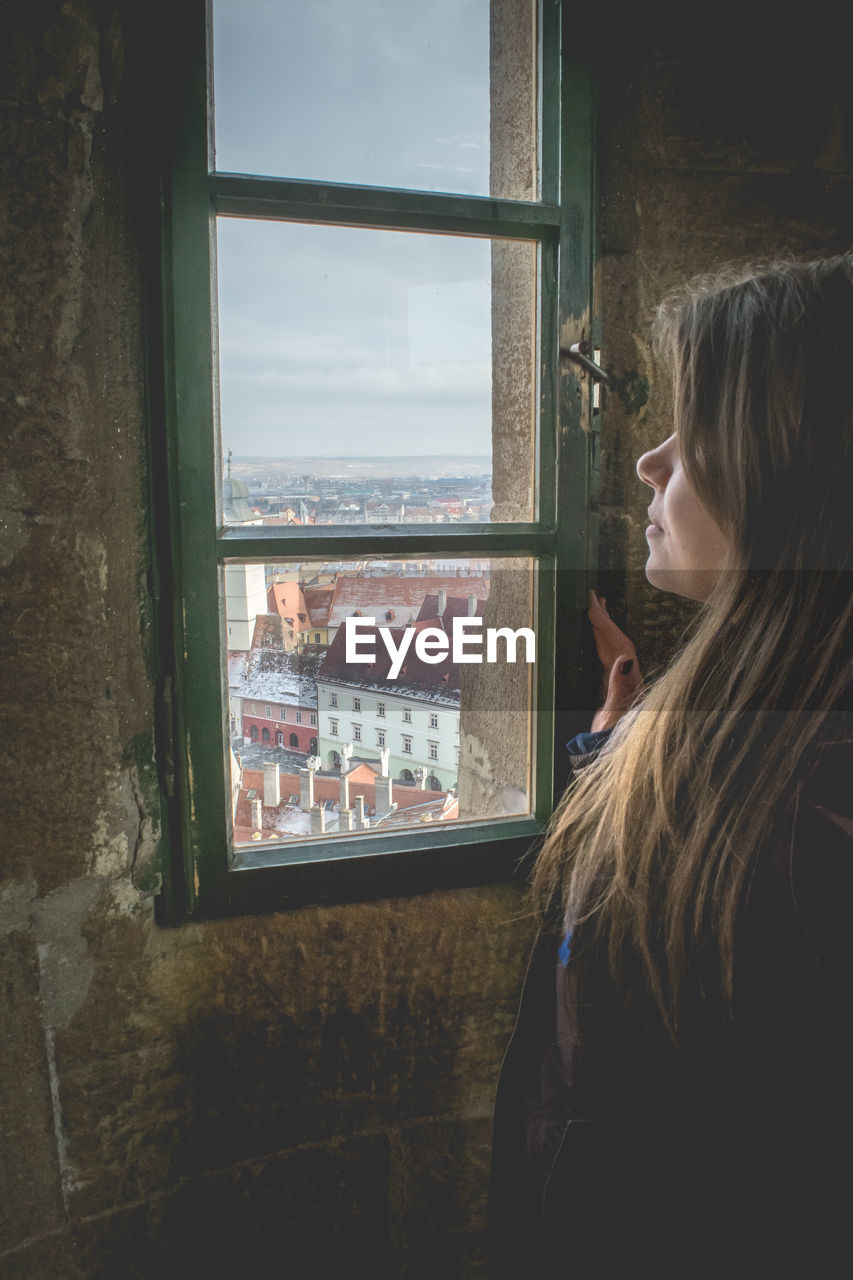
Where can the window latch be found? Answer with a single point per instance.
(578, 353)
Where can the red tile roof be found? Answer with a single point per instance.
(441, 806)
(374, 596)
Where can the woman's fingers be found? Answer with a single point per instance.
(610, 640)
(622, 685)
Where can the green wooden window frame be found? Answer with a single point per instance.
(562, 539)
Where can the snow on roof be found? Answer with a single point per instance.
(281, 677)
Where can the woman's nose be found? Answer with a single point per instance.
(655, 467)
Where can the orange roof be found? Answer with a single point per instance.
(374, 596)
(440, 805)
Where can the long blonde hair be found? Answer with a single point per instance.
(653, 850)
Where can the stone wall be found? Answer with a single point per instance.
(304, 1093)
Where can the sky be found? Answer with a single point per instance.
(340, 340)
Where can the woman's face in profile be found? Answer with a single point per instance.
(687, 548)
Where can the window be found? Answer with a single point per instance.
(433, 750)
(356, 733)
(294, 740)
(380, 737)
(284, 713)
(380, 710)
(433, 720)
(312, 717)
(279, 738)
(461, 296)
(298, 717)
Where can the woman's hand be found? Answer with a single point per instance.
(621, 676)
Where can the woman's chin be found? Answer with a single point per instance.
(693, 584)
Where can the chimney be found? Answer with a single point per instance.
(318, 820)
(306, 789)
(420, 779)
(442, 601)
(472, 605)
(344, 819)
(382, 795)
(361, 822)
(272, 794)
(344, 790)
(384, 757)
(257, 815)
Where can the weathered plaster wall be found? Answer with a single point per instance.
(312, 1087)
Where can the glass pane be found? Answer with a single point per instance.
(391, 93)
(356, 378)
(371, 695)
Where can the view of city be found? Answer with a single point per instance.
(382, 490)
(319, 745)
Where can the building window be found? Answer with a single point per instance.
(265, 735)
(492, 282)
(433, 720)
(356, 733)
(380, 737)
(284, 713)
(298, 717)
(433, 750)
(312, 717)
(380, 710)
(294, 740)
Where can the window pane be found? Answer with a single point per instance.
(390, 93)
(425, 659)
(356, 378)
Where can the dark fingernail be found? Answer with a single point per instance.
(627, 667)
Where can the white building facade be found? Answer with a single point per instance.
(419, 728)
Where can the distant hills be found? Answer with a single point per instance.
(381, 466)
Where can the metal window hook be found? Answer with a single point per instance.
(578, 353)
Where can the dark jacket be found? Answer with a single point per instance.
(617, 1155)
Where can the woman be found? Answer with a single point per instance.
(675, 1100)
